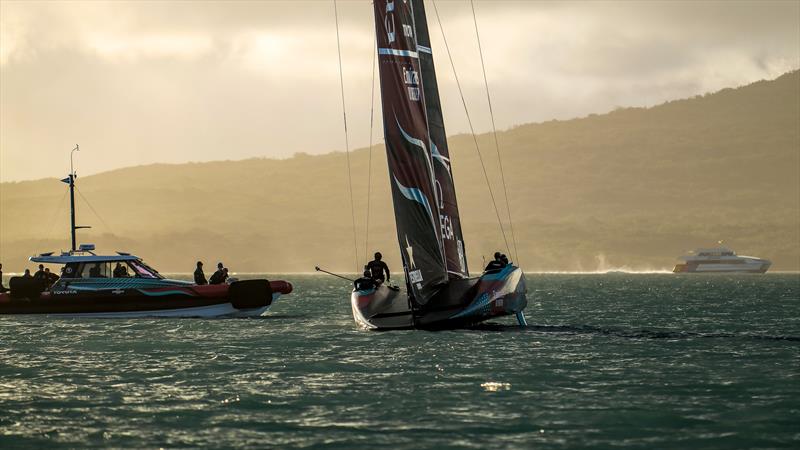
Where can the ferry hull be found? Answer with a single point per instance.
(461, 303)
(759, 267)
(240, 299)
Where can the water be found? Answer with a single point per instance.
(627, 361)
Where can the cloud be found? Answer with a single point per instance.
(264, 75)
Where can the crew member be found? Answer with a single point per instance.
(120, 271)
(40, 275)
(95, 271)
(199, 276)
(51, 278)
(219, 276)
(27, 274)
(2, 288)
(496, 264)
(504, 259)
(377, 268)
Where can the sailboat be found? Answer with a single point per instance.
(439, 290)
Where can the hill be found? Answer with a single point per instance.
(633, 188)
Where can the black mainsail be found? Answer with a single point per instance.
(450, 221)
(411, 171)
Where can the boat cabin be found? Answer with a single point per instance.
(84, 263)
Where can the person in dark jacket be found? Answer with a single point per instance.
(120, 271)
(27, 274)
(219, 276)
(496, 264)
(378, 268)
(199, 276)
(51, 278)
(2, 288)
(504, 259)
(40, 275)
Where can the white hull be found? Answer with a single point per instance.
(221, 310)
(732, 268)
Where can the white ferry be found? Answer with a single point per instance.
(720, 259)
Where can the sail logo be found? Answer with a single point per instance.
(415, 277)
(447, 226)
(411, 79)
(388, 21)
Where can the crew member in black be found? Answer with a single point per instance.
(51, 278)
(504, 259)
(219, 276)
(2, 288)
(199, 276)
(377, 268)
(95, 271)
(120, 271)
(27, 274)
(496, 264)
(40, 275)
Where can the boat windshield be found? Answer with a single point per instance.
(142, 270)
(110, 269)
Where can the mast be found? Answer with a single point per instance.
(71, 181)
(408, 150)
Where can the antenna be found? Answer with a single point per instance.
(76, 149)
(71, 181)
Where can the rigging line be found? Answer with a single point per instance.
(346, 138)
(369, 164)
(471, 128)
(52, 221)
(108, 228)
(494, 132)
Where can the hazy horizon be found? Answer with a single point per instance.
(139, 83)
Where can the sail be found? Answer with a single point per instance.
(449, 219)
(408, 149)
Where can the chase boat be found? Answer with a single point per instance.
(88, 288)
(122, 285)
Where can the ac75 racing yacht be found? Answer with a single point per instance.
(122, 285)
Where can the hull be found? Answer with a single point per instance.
(747, 267)
(240, 299)
(459, 304)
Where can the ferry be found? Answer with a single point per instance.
(720, 260)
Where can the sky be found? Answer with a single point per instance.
(171, 82)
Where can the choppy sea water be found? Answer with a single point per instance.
(617, 360)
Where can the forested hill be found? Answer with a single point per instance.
(634, 188)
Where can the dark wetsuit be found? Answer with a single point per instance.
(377, 269)
(200, 277)
(2, 288)
(494, 266)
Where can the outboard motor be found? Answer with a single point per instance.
(250, 294)
(25, 287)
